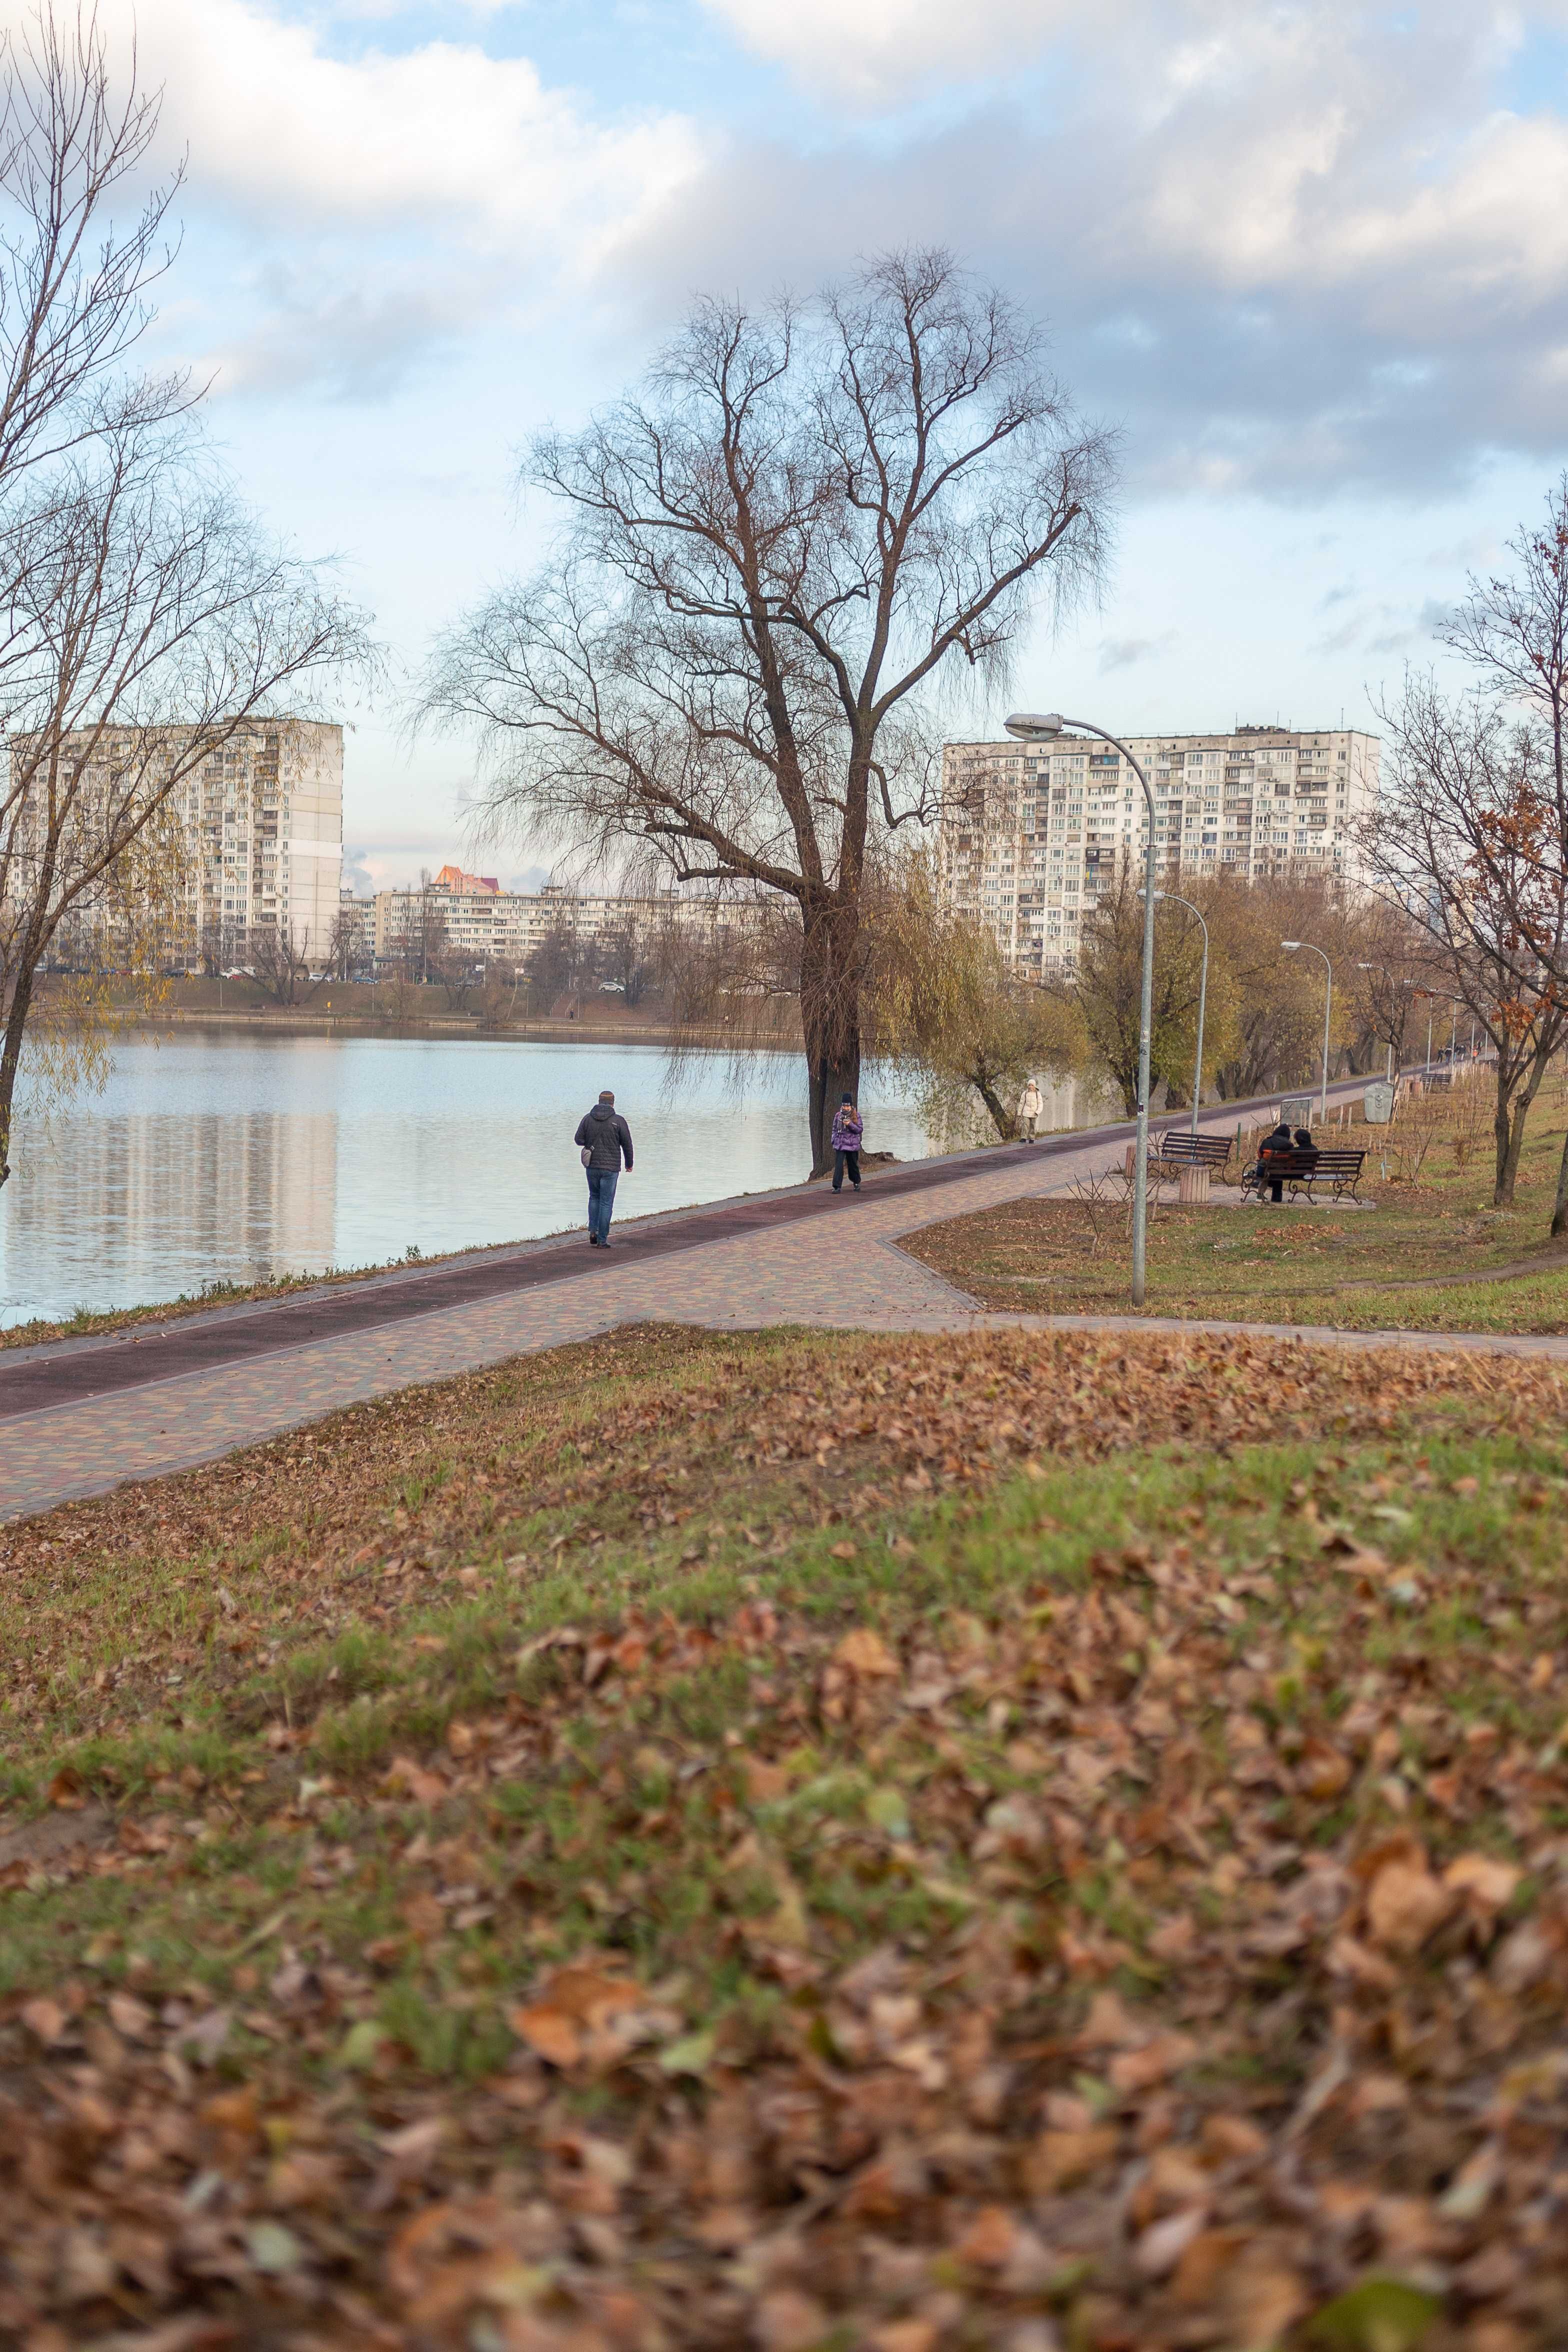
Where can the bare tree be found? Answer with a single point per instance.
(143, 620)
(349, 954)
(557, 966)
(776, 553)
(1383, 977)
(625, 957)
(417, 938)
(280, 965)
(1464, 850)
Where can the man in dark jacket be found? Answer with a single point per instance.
(604, 1138)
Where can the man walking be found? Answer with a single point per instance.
(604, 1138)
(1029, 1109)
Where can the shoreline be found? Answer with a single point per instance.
(300, 1020)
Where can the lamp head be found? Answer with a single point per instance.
(1035, 726)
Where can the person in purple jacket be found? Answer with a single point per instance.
(847, 1130)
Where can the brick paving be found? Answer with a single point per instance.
(793, 1257)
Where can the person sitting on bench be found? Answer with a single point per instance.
(1306, 1150)
(1275, 1145)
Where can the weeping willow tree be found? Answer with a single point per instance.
(946, 1009)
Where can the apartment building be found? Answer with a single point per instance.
(266, 815)
(354, 947)
(1033, 835)
(262, 816)
(474, 918)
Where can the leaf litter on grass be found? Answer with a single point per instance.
(940, 1933)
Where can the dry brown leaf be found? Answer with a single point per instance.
(1404, 1904)
(1060, 2159)
(44, 2019)
(863, 1652)
(1139, 2070)
(1488, 1885)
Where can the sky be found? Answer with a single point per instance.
(1311, 260)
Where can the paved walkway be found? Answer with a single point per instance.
(81, 1416)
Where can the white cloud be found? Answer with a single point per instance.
(276, 126)
(376, 205)
(1290, 244)
(875, 52)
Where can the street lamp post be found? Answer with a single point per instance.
(1037, 727)
(1291, 946)
(1203, 995)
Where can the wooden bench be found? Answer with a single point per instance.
(1178, 1153)
(1302, 1171)
(1179, 1148)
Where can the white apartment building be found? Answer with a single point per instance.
(1032, 835)
(262, 816)
(266, 814)
(474, 919)
(355, 945)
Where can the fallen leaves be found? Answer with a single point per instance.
(1170, 1952)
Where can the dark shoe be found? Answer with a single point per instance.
(594, 1241)
(838, 1188)
(857, 1185)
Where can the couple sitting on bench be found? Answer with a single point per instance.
(1282, 1154)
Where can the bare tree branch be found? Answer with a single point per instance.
(803, 523)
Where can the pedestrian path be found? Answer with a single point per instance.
(234, 1377)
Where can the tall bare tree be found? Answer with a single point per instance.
(144, 617)
(1466, 851)
(774, 555)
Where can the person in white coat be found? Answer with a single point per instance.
(1029, 1109)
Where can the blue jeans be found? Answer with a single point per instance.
(602, 1182)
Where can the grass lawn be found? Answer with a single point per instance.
(904, 1843)
(1401, 1264)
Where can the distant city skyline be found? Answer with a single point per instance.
(1313, 262)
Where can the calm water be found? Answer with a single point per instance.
(217, 1155)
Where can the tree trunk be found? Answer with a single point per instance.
(830, 1019)
(1509, 1134)
(11, 1061)
(1512, 1096)
(1001, 1116)
(1560, 1210)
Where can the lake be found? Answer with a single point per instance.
(223, 1155)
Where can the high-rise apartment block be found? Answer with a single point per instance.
(262, 819)
(1033, 835)
(265, 815)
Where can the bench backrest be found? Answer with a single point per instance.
(1323, 1162)
(1202, 1151)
